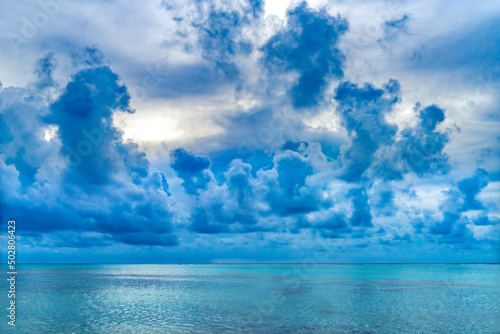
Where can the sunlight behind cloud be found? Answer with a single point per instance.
(276, 7)
(50, 132)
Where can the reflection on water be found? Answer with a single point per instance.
(256, 299)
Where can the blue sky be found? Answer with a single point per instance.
(251, 131)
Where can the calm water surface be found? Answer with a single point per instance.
(255, 299)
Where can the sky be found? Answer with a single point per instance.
(250, 131)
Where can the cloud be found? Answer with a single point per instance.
(470, 188)
(308, 46)
(453, 228)
(363, 113)
(218, 28)
(220, 36)
(45, 67)
(398, 24)
(470, 49)
(83, 117)
(421, 148)
(231, 207)
(361, 215)
(149, 239)
(393, 29)
(23, 143)
(289, 192)
(86, 178)
(286, 133)
(191, 169)
(375, 150)
(244, 203)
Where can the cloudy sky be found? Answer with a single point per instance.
(251, 131)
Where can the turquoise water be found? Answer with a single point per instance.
(255, 299)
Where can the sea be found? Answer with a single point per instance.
(267, 298)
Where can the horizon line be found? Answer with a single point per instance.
(262, 263)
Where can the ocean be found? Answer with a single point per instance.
(230, 298)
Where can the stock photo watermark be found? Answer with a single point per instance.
(11, 272)
(151, 81)
(31, 25)
(84, 148)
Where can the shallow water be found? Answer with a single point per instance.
(255, 299)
